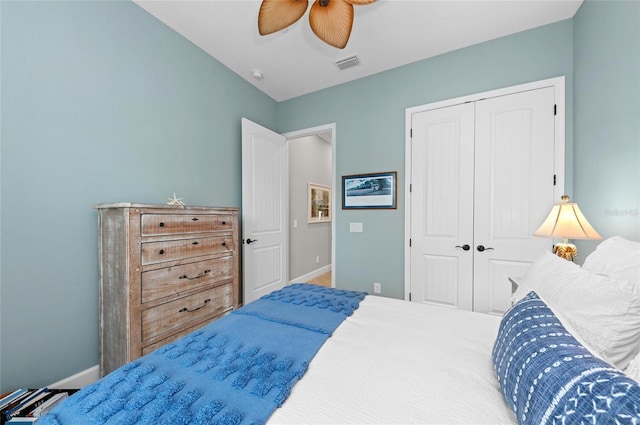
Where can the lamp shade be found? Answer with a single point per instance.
(566, 221)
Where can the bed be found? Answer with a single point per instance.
(566, 352)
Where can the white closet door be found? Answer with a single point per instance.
(514, 168)
(442, 206)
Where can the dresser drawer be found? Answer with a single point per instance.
(170, 224)
(194, 308)
(161, 251)
(169, 281)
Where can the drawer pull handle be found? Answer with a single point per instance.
(195, 243)
(182, 310)
(224, 222)
(184, 276)
(194, 219)
(161, 224)
(161, 252)
(224, 243)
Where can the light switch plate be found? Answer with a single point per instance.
(355, 227)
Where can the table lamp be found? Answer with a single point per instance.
(566, 221)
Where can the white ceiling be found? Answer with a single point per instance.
(385, 35)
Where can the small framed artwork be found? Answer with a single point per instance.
(370, 191)
(319, 198)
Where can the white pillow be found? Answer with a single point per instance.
(615, 257)
(604, 312)
(633, 370)
(546, 265)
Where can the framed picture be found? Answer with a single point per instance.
(319, 198)
(369, 191)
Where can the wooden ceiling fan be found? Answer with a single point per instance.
(330, 20)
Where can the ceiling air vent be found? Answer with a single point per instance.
(347, 62)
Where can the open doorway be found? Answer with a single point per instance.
(311, 232)
(265, 206)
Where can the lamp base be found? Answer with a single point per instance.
(567, 251)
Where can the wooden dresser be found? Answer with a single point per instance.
(164, 272)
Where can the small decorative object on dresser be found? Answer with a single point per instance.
(165, 270)
(175, 200)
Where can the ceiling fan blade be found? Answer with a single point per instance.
(332, 23)
(360, 2)
(276, 15)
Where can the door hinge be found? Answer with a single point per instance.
(409, 296)
(410, 187)
(555, 109)
(411, 132)
(554, 179)
(409, 242)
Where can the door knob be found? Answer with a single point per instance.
(466, 247)
(482, 248)
(250, 241)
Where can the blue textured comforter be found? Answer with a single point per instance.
(236, 370)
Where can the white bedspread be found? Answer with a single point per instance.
(399, 362)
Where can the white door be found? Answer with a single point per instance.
(482, 177)
(514, 191)
(264, 210)
(442, 206)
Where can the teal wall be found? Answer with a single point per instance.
(100, 103)
(607, 118)
(370, 133)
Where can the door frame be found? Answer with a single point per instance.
(557, 83)
(290, 136)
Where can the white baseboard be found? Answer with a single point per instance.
(80, 379)
(307, 277)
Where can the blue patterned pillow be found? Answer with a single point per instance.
(547, 377)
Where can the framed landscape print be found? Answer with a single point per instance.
(319, 198)
(370, 191)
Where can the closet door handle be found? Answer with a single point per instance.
(466, 247)
(482, 248)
